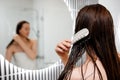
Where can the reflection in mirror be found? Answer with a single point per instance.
(48, 25)
(22, 47)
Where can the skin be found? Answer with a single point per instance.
(62, 50)
(21, 44)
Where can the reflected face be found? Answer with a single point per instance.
(25, 30)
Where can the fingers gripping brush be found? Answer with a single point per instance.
(80, 36)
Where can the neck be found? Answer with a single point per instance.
(88, 58)
(23, 38)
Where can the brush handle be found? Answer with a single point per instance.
(80, 35)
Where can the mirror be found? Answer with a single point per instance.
(50, 22)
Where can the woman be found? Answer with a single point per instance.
(102, 61)
(21, 48)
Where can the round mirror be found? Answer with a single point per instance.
(49, 21)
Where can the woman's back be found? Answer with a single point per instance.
(88, 71)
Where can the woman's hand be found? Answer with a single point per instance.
(16, 37)
(62, 49)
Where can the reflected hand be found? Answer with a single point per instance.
(16, 37)
(62, 49)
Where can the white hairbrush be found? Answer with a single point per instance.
(80, 35)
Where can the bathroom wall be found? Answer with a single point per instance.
(56, 25)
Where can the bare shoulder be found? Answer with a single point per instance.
(88, 71)
(11, 48)
(33, 41)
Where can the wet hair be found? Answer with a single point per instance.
(98, 20)
(18, 28)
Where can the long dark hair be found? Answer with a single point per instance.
(98, 20)
(18, 28)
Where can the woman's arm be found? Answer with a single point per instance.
(31, 52)
(62, 50)
(9, 53)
